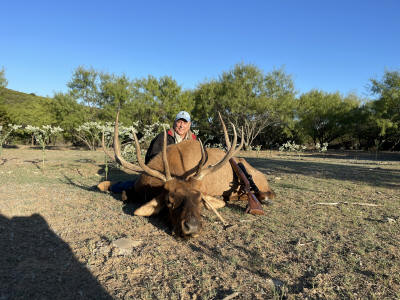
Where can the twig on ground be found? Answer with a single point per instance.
(231, 296)
(346, 203)
(215, 211)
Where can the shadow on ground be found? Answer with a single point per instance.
(364, 174)
(37, 264)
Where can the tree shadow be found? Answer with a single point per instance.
(70, 181)
(35, 162)
(115, 173)
(37, 264)
(374, 176)
(358, 155)
(5, 160)
(10, 146)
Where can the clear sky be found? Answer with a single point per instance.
(331, 45)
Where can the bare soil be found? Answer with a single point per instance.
(320, 238)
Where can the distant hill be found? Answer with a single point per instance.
(24, 109)
(15, 97)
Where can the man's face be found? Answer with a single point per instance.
(182, 127)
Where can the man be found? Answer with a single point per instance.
(180, 132)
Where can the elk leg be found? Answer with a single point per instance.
(153, 207)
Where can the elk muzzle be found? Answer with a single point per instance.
(190, 227)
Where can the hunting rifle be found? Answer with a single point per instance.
(247, 184)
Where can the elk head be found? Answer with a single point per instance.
(181, 196)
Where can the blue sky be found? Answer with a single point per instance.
(327, 45)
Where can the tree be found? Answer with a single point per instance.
(159, 99)
(322, 114)
(3, 80)
(248, 98)
(85, 86)
(68, 113)
(3, 112)
(387, 107)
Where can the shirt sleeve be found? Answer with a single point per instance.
(154, 148)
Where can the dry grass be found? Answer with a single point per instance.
(56, 234)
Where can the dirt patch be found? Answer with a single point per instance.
(60, 236)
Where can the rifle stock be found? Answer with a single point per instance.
(254, 206)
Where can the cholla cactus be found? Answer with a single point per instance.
(89, 133)
(151, 131)
(42, 136)
(219, 146)
(292, 147)
(5, 134)
(324, 147)
(125, 133)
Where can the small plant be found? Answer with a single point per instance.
(322, 148)
(42, 136)
(257, 149)
(5, 134)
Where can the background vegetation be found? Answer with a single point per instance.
(266, 105)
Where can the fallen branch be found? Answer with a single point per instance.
(346, 203)
(234, 295)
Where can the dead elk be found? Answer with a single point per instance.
(185, 178)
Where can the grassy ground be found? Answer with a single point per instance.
(57, 233)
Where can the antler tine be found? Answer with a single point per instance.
(227, 142)
(217, 166)
(241, 143)
(146, 169)
(202, 160)
(117, 150)
(165, 158)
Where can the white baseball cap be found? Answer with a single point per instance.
(183, 115)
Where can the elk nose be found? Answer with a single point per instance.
(190, 227)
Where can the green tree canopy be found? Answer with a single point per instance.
(322, 115)
(386, 108)
(3, 80)
(248, 98)
(159, 99)
(68, 113)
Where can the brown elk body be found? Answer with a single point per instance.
(183, 159)
(193, 179)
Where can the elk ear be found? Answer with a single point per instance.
(216, 203)
(153, 207)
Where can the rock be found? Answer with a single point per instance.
(125, 246)
(275, 283)
(390, 220)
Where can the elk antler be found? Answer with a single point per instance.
(165, 158)
(227, 142)
(117, 150)
(232, 150)
(143, 166)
